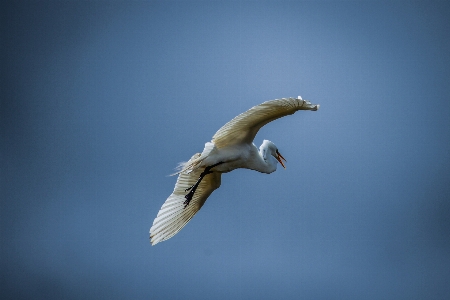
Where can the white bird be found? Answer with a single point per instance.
(231, 148)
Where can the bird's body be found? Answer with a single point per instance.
(234, 157)
(238, 156)
(231, 148)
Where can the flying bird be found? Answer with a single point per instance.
(230, 148)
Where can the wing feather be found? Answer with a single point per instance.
(244, 127)
(172, 216)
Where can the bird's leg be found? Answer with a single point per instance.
(193, 188)
(203, 174)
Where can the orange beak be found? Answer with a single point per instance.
(279, 157)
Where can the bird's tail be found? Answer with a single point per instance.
(188, 166)
(180, 167)
(195, 161)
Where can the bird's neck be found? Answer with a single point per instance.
(265, 162)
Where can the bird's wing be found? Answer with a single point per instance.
(243, 128)
(172, 216)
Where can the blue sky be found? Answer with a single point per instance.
(101, 100)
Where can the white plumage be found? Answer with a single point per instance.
(231, 148)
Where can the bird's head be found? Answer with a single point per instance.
(269, 148)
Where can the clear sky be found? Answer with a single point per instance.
(100, 101)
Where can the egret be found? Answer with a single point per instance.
(230, 148)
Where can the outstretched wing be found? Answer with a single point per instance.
(244, 127)
(172, 216)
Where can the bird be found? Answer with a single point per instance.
(231, 148)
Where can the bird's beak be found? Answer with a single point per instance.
(279, 157)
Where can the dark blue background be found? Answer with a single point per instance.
(101, 100)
